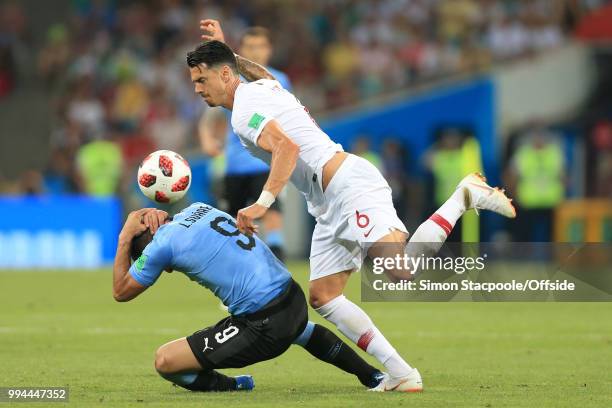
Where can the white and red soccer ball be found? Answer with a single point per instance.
(164, 176)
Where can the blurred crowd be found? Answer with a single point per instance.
(114, 71)
(410, 41)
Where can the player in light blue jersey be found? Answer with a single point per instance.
(245, 175)
(268, 310)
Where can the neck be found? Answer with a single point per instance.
(231, 92)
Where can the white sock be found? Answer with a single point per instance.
(431, 235)
(396, 366)
(453, 208)
(355, 324)
(439, 226)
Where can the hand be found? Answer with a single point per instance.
(246, 216)
(154, 219)
(134, 224)
(213, 30)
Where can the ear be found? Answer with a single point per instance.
(225, 74)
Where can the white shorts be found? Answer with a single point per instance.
(359, 212)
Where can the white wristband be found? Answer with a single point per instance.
(266, 199)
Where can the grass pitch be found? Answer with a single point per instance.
(64, 329)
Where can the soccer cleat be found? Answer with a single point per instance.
(410, 383)
(244, 383)
(376, 380)
(481, 196)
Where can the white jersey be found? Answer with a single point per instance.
(257, 103)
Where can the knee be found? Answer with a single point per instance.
(318, 298)
(322, 291)
(163, 362)
(314, 300)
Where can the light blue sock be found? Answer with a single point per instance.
(180, 378)
(274, 238)
(303, 338)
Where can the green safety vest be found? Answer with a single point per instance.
(540, 183)
(372, 158)
(100, 163)
(447, 168)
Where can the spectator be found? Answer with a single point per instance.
(100, 165)
(361, 148)
(394, 168)
(168, 130)
(455, 154)
(537, 176)
(601, 139)
(85, 109)
(53, 59)
(507, 38)
(131, 97)
(30, 183)
(60, 176)
(7, 69)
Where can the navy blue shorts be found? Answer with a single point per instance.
(239, 341)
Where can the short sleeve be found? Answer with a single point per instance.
(249, 116)
(154, 259)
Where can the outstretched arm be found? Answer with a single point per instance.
(250, 70)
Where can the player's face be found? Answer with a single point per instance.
(256, 48)
(209, 83)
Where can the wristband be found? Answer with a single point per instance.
(266, 199)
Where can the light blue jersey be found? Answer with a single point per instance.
(239, 160)
(204, 244)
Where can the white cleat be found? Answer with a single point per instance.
(410, 383)
(481, 196)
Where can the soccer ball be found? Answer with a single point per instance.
(164, 176)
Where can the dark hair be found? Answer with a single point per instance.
(139, 243)
(257, 31)
(212, 53)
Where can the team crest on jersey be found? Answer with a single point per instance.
(256, 120)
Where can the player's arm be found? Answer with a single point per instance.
(125, 287)
(285, 152)
(211, 131)
(250, 70)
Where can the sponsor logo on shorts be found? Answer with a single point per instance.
(206, 345)
(367, 234)
(363, 221)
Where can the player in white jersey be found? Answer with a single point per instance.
(349, 198)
